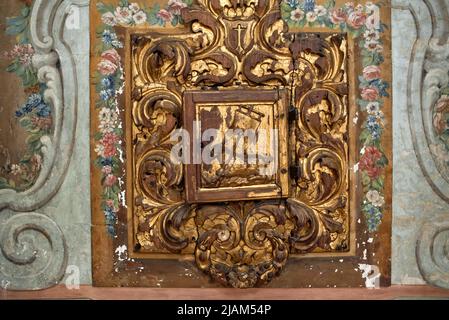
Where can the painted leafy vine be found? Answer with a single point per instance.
(109, 84)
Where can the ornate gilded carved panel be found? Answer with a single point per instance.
(239, 137)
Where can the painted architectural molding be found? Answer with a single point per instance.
(428, 106)
(31, 262)
(37, 260)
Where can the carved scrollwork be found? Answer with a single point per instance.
(167, 227)
(163, 60)
(156, 112)
(313, 228)
(229, 44)
(322, 112)
(33, 249)
(432, 252)
(264, 68)
(323, 176)
(242, 244)
(158, 177)
(427, 110)
(217, 69)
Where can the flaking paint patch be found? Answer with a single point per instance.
(121, 252)
(371, 275)
(355, 120)
(123, 198)
(362, 152)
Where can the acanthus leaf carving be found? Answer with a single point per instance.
(228, 45)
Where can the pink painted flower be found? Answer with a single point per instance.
(175, 6)
(111, 55)
(356, 19)
(370, 94)
(106, 67)
(371, 73)
(368, 162)
(36, 161)
(110, 60)
(43, 123)
(109, 142)
(165, 15)
(23, 52)
(106, 170)
(442, 104)
(439, 123)
(439, 119)
(338, 16)
(110, 180)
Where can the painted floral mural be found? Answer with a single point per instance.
(34, 115)
(440, 150)
(361, 22)
(109, 84)
(132, 14)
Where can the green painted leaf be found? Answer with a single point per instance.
(364, 136)
(25, 122)
(174, 21)
(365, 179)
(383, 162)
(377, 184)
(33, 138)
(13, 66)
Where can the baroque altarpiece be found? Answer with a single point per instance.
(313, 76)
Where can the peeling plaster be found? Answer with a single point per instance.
(371, 275)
